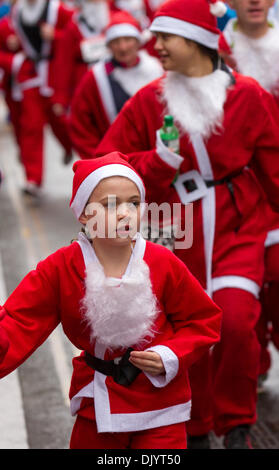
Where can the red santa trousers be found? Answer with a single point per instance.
(268, 325)
(85, 436)
(224, 381)
(36, 112)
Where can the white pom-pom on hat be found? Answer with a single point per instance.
(217, 8)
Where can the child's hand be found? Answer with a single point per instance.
(148, 361)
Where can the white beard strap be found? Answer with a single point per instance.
(120, 312)
(197, 103)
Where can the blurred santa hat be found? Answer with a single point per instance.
(191, 19)
(122, 24)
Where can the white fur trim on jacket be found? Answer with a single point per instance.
(171, 364)
(120, 312)
(272, 238)
(237, 282)
(172, 159)
(133, 78)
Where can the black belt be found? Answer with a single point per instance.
(190, 185)
(123, 372)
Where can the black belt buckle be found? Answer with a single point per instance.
(125, 372)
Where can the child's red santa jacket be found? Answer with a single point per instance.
(188, 323)
(58, 16)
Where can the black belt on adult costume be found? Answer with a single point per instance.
(122, 371)
(190, 185)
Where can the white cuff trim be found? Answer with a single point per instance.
(172, 159)
(237, 282)
(171, 364)
(272, 238)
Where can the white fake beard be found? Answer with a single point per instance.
(120, 312)
(31, 12)
(96, 14)
(197, 103)
(133, 78)
(135, 7)
(259, 58)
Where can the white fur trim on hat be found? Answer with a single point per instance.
(122, 30)
(218, 9)
(93, 179)
(168, 24)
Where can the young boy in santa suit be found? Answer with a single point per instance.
(250, 43)
(117, 296)
(110, 83)
(82, 45)
(39, 25)
(227, 124)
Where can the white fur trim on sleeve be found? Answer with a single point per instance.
(171, 364)
(172, 159)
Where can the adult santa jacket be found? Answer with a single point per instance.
(41, 51)
(187, 324)
(102, 94)
(229, 218)
(80, 47)
(253, 57)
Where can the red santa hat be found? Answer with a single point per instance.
(191, 19)
(122, 24)
(89, 173)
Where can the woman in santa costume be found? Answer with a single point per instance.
(250, 44)
(139, 316)
(227, 123)
(110, 83)
(39, 25)
(82, 45)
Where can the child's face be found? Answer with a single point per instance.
(113, 211)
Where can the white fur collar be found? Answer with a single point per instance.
(197, 103)
(133, 78)
(120, 312)
(31, 13)
(259, 58)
